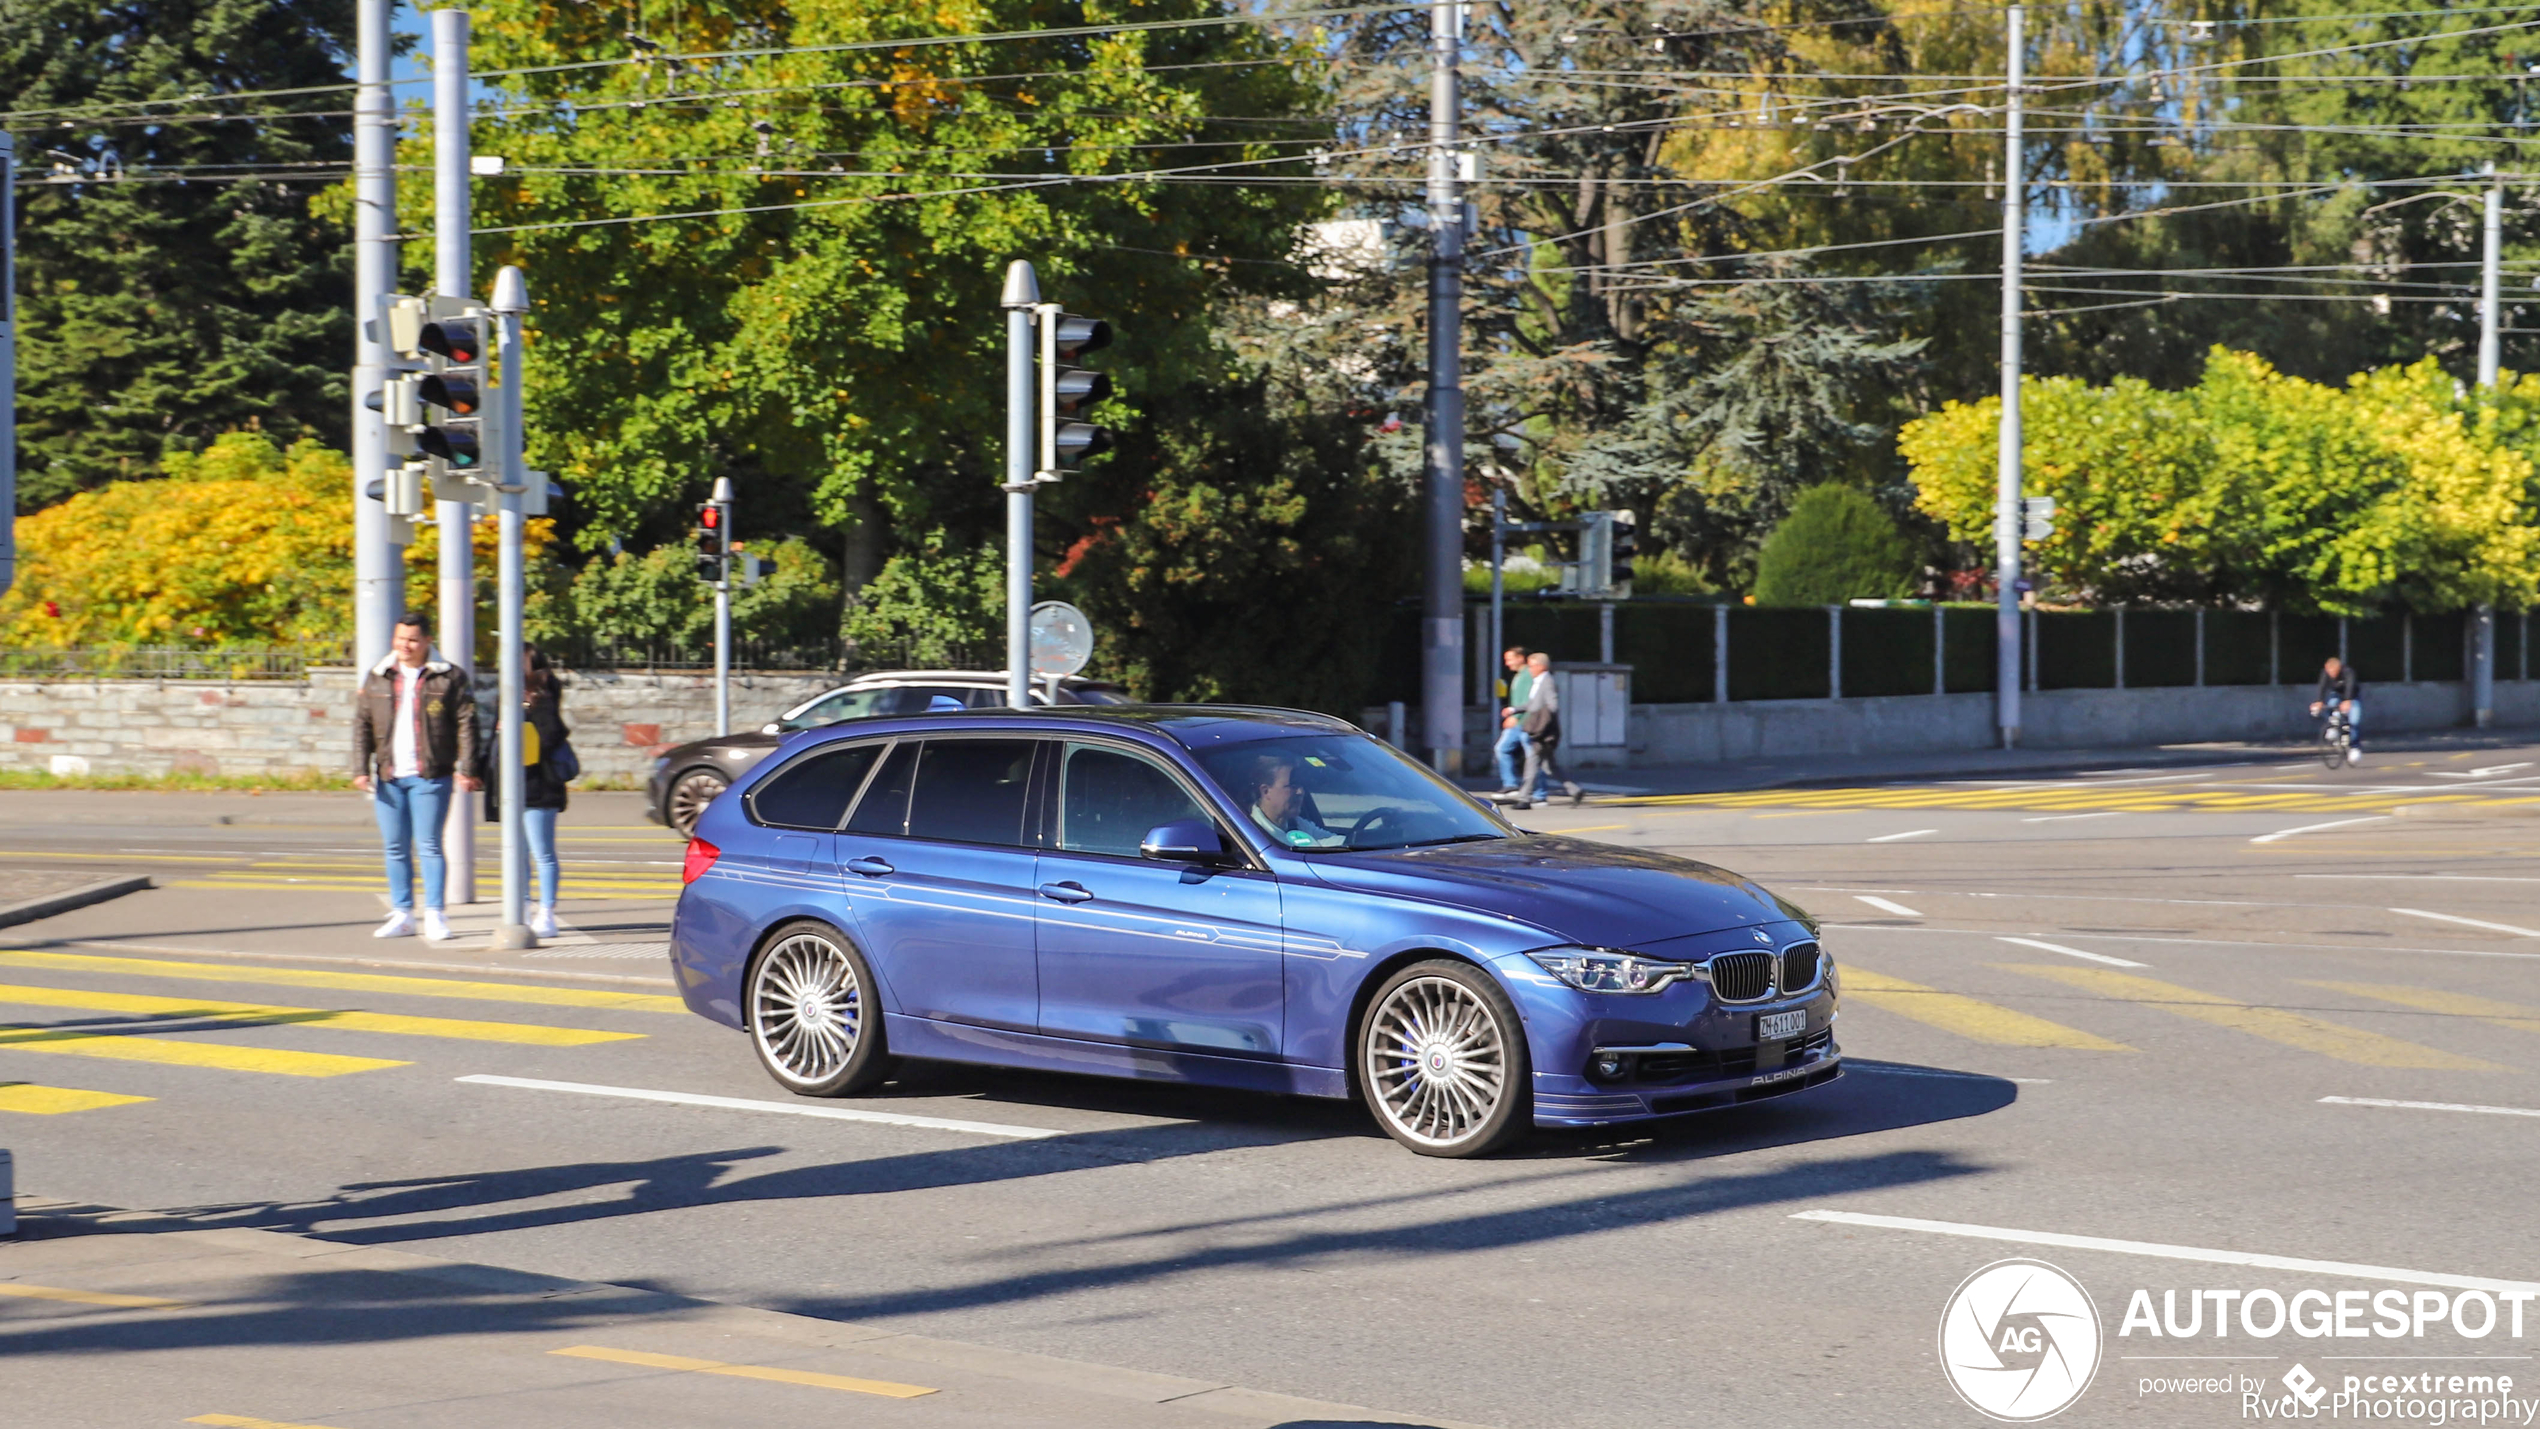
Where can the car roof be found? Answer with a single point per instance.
(994, 679)
(1195, 727)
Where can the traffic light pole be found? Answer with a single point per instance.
(2009, 521)
(8, 361)
(1022, 294)
(379, 593)
(2482, 645)
(722, 499)
(511, 302)
(1442, 608)
(450, 277)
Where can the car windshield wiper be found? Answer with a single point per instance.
(1451, 839)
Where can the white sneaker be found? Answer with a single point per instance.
(543, 922)
(435, 927)
(400, 924)
(2354, 755)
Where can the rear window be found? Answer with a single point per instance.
(972, 791)
(814, 793)
(884, 807)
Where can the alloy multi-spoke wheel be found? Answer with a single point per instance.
(811, 1013)
(1443, 1061)
(689, 797)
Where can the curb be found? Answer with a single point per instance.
(31, 909)
(1084, 1376)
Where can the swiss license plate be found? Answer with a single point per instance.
(1781, 1026)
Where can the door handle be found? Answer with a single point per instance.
(869, 867)
(1065, 892)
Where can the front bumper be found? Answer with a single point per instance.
(1574, 1101)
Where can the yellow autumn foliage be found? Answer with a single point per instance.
(243, 543)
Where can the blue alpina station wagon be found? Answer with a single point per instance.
(1234, 897)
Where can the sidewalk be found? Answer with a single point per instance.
(106, 1324)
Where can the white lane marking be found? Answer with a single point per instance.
(2073, 952)
(1884, 906)
(2175, 1252)
(2315, 828)
(2490, 772)
(2431, 877)
(831, 1113)
(2122, 938)
(2059, 818)
(2433, 1106)
(2470, 922)
(1908, 834)
(1893, 1071)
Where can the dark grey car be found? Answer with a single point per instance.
(687, 777)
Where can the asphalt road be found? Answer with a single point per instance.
(2141, 1024)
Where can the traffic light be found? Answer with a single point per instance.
(455, 384)
(714, 541)
(1623, 548)
(1068, 392)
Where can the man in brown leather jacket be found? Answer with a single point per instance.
(414, 736)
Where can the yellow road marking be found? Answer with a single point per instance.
(86, 1297)
(521, 1032)
(2426, 999)
(2292, 1029)
(241, 1421)
(35, 1099)
(125, 857)
(189, 1054)
(746, 1371)
(1969, 1018)
(348, 982)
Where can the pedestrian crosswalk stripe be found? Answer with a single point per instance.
(108, 1298)
(346, 982)
(2291, 1029)
(521, 1032)
(241, 1421)
(1969, 1018)
(36, 1099)
(2427, 999)
(882, 1387)
(222, 1055)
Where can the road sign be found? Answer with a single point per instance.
(1062, 639)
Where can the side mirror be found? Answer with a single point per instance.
(1185, 841)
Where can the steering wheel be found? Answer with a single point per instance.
(1389, 813)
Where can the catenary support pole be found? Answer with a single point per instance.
(1442, 603)
(379, 594)
(8, 362)
(511, 303)
(1498, 592)
(2482, 628)
(2007, 518)
(722, 499)
(451, 255)
(1022, 294)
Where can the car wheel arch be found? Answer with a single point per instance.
(1377, 973)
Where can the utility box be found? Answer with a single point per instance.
(1596, 714)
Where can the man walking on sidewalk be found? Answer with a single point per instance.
(414, 735)
(1542, 724)
(1512, 740)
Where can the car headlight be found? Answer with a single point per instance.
(1605, 970)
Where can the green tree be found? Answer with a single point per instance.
(174, 282)
(1835, 545)
(934, 604)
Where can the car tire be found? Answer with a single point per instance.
(689, 794)
(1442, 1061)
(813, 1015)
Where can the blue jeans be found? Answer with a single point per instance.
(540, 827)
(1512, 743)
(410, 813)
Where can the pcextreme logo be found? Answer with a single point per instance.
(2019, 1340)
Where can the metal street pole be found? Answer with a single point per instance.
(450, 277)
(1021, 296)
(1442, 604)
(722, 499)
(511, 302)
(2482, 645)
(379, 588)
(2008, 519)
(8, 361)
(1498, 587)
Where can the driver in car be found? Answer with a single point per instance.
(1278, 805)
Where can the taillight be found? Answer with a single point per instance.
(701, 856)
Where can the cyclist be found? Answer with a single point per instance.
(2339, 687)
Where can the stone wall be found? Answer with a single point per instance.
(251, 727)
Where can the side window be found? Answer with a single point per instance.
(972, 791)
(884, 807)
(1109, 798)
(849, 704)
(814, 793)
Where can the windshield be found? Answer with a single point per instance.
(1344, 791)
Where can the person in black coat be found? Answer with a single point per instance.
(543, 754)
